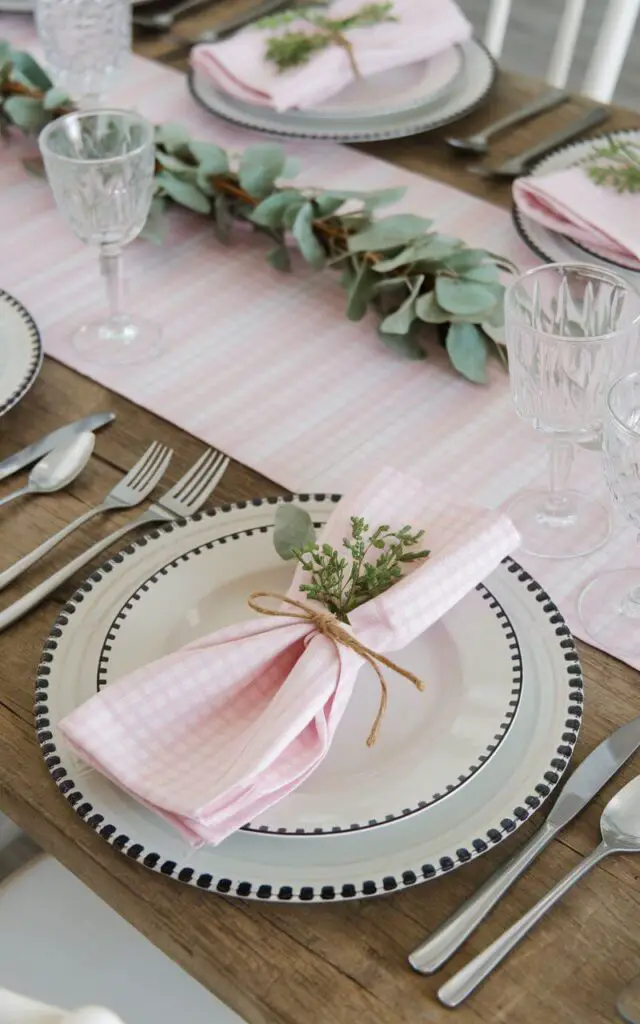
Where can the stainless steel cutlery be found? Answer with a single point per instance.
(46, 444)
(620, 829)
(163, 20)
(518, 164)
(183, 499)
(578, 791)
(479, 142)
(56, 469)
(128, 492)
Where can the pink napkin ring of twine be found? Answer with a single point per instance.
(327, 624)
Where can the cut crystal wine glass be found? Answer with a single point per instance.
(570, 331)
(610, 604)
(86, 44)
(100, 165)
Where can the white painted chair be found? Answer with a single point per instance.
(607, 58)
(62, 946)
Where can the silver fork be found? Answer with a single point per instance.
(127, 493)
(183, 499)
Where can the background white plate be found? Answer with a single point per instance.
(429, 744)
(480, 814)
(20, 351)
(467, 92)
(552, 246)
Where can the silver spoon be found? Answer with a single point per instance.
(164, 19)
(620, 828)
(57, 469)
(479, 143)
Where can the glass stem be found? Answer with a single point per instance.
(560, 463)
(111, 269)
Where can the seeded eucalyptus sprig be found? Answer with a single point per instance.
(343, 582)
(420, 285)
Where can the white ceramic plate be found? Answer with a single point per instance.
(468, 89)
(553, 247)
(430, 743)
(20, 351)
(478, 814)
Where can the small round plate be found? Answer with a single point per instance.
(551, 246)
(20, 351)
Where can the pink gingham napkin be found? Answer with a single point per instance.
(237, 65)
(570, 203)
(214, 734)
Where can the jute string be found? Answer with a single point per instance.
(328, 625)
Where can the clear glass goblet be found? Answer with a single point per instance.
(86, 44)
(609, 605)
(570, 331)
(100, 165)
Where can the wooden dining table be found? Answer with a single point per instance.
(320, 964)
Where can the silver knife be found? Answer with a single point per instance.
(46, 444)
(579, 789)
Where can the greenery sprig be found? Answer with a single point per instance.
(295, 48)
(421, 285)
(616, 165)
(342, 583)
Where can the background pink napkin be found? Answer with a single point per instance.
(569, 202)
(238, 66)
(219, 731)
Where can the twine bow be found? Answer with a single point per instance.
(328, 625)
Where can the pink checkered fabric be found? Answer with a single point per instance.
(214, 734)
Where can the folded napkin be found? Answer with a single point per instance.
(214, 734)
(238, 65)
(570, 203)
(16, 1009)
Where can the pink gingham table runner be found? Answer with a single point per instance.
(275, 687)
(266, 366)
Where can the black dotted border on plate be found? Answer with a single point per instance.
(283, 894)
(355, 137)
(37, 353)
(407, 812)
(517, 215)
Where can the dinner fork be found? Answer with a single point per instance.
(127, 493)
(182, 500)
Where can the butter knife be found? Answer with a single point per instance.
(46, 444)
(579, 789)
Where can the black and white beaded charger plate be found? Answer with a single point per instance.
(85, 648)
(20, 351)
(553, 247)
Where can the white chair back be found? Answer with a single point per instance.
(17, 1009)
(608, 54)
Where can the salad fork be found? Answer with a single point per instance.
(182, 500)
(128, 492)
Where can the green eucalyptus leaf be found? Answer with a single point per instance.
(308, 244)
(399, 322)
(385, 197)
(406, 345)
(280, 258)
(172, 135)
(259, 167)
(360, 292)
(401, 259)
(54, 98)
(293, 528)
(486, 273)
(270, 212)
(389, 233)
(183, 192)
(457, 295)
(327, 203)
(428, 310)
(495, 317)
(291, 168)
(291, 212)
(173, 163)
(467, 349)
(154, 229)
(26, 112)
(6, 51)
(222, 218)
(27, 71)
(212, 158)
(466, 259)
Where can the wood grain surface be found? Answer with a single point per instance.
(317, 964)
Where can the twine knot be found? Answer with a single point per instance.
(327, 624)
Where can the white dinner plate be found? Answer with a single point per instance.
(467, 90)
(20, 351)
(552, 246)
(488, 806)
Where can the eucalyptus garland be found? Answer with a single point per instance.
(420, 284)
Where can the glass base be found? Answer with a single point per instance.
(574, 525)
(609, 609)
(119, 341)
